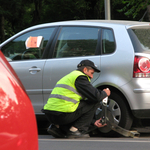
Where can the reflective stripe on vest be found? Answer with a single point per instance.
(69, 88)
(64, 98)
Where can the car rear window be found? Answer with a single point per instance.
(140, 38)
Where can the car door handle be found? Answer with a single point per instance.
(34, 70)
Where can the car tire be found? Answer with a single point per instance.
(120, 115)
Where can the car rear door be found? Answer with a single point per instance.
(73, 44)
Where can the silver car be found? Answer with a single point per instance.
(44, 53)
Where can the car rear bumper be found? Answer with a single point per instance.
(137, 93)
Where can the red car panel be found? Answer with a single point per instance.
(18, 128)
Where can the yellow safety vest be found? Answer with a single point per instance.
(65, 97)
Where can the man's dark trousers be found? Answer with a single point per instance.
(81, 118)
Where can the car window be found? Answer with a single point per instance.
(17, 49)
(140, 38)
(76, 41)
(108, 41)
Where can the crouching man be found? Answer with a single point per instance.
(73, 102)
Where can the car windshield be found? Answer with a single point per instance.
(140, 38)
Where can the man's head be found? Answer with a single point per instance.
(87, 67)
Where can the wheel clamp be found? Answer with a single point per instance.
(113, 126)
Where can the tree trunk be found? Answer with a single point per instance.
(37, 12)
(2, 34)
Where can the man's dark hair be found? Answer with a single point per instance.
(82, 67)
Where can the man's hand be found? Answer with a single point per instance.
(98, 124)
(107, 91)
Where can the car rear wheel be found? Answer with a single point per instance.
(118, 112)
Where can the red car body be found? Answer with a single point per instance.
(18, 128)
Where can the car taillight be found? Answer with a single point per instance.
(141, 67)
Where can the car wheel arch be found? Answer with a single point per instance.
(123, 119)
(115, 90)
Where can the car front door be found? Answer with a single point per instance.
(28, 62)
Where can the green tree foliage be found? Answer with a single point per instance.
(16, 15)
(58, 10)
(134, 7)
(13, 13)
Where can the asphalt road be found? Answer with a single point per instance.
(47, 142)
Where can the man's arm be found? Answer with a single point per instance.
(87, 90)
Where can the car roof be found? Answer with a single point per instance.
(96, 23)
(106, 23)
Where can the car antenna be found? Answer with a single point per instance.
(143, 16)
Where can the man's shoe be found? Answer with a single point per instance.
(77, 134)
(55, 132)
